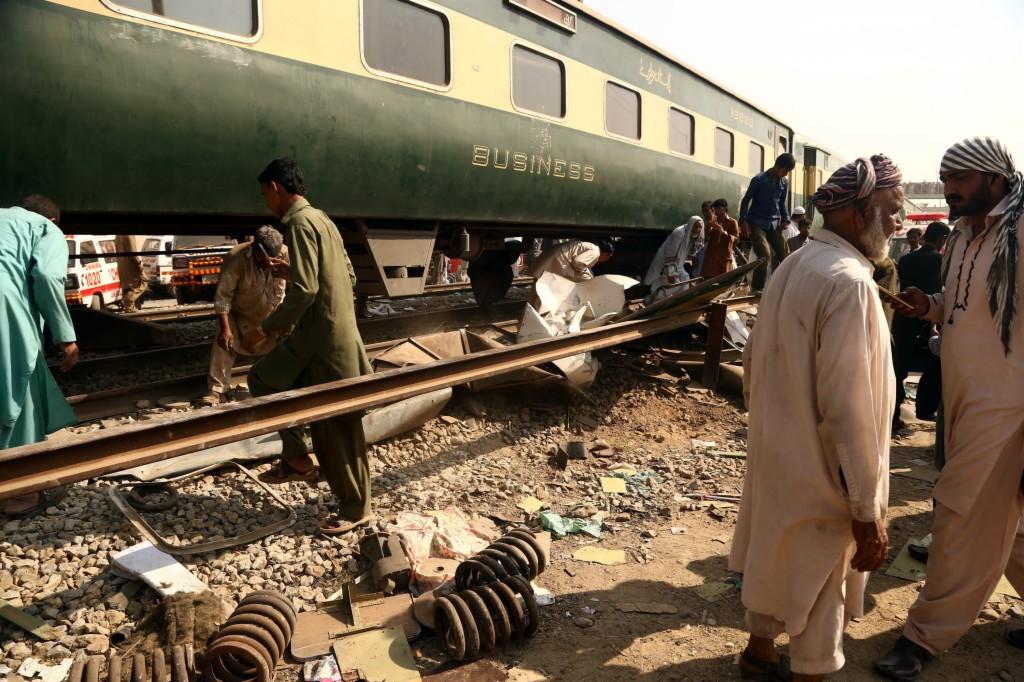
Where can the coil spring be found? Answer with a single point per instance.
(252, 641)
(87, 669)
(477, 620)
(517, 553)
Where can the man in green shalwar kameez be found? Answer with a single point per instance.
(33, 268)
(323, 346)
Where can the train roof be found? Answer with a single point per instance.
(578, 6)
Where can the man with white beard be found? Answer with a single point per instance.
(819, 383)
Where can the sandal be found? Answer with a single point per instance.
(339, 525)
(765, 671)
(283, 472)
(47, 498)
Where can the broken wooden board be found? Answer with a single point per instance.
(26, 621)
(378, 656)
(477, 671)
(652, 608)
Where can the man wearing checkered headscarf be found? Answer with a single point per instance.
(977, 531)
(820, 386)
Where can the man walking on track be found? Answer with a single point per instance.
(764, 215)
(977, 532)
(323, 346)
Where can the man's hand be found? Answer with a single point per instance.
(253, 338)
(70, 356)
(226, 339)
(872, 545)
(918, 301)
(281, 268)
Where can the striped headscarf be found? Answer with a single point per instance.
(989, 155)
(857, 180)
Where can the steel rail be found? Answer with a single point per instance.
(44, 465)
(206, 312)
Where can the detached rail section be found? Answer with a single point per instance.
(44, 465)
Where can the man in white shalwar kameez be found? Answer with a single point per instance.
(669, 264)
(819, 383)
(976, 530)
(572, 260)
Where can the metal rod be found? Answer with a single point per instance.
(44, 465)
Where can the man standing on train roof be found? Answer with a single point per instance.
(572, 260)
(764, 215)
(819, 383)
(323, 345)
(129, 271)
(34, 261)
(977, 534)
(247, 292)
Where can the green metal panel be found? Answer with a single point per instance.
(114, 117)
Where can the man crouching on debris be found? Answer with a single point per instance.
(818, 380)
(323, 346)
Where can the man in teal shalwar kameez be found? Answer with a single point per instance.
(33, 268)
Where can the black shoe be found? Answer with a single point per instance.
(906, 661)
(1016, 638)
(918, 552)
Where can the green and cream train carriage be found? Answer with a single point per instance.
(456, 120)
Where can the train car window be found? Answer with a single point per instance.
(724, 152)
(233, 17)
(107, 246)
(680, 132)
(755, 162)
(538, 82)
(621, 111)
(90, 248)
(404, 39)
(783, 143)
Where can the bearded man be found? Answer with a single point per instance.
(819, 383)
(976, 530)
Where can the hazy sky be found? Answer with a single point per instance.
(903, 77)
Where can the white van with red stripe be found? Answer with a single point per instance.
(93, 279)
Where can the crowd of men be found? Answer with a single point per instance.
(823, 375)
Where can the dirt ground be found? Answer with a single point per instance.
(702, 641)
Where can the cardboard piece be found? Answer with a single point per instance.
(157, 569)
(714, 591)
(624, 469)
(379, 656)
(906, 567)
(530, 504)
(916, 473)
(597, 555)
(315, 631)
(613, 485)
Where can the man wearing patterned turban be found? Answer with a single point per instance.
(819, 383)
(976, 530)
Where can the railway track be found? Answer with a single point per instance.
(44, 465)
(205, 312)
